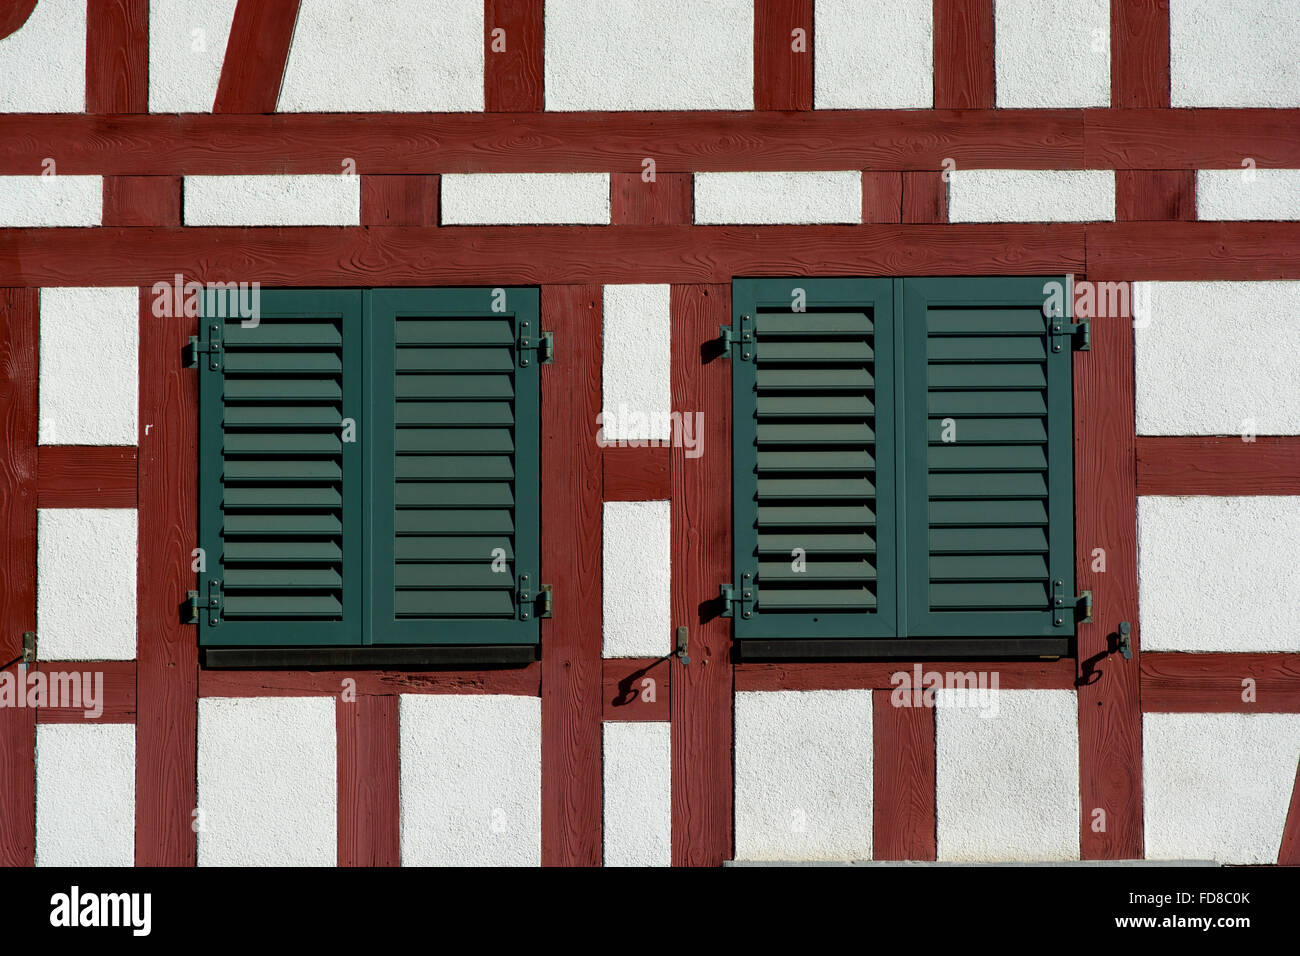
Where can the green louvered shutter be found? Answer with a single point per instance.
(279, 489)
(454, 445)
(990, 483)
(813, 458)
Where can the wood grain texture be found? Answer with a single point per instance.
(417, 143)
(513, 78)
(119, 689)
(166, 649)
(625, 689)
(1139, 53)
(925, 197)
(878, 675)
(18, 476)
(1213, 683)
(1105, 507)
(882, 196)
(1218, 465)
(1155, 194)
(117, 56)
(668, 201)
(1289, 851)
(1194, 250)
(496, 255)
(142, 201)
(256, 54)
(636, 474)
(520, 681)
(783, 76)
(13, 15)
(399, 200)
(963, 54)
(1191, 138)
(904, 768)
(369, 744)
(701, 706)
(572, 672)
(86, 476)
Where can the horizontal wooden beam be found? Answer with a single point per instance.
(635, 688)
(519, 681)
(115, 681)
(1218, 683)
(879, 675)
(636, 474)
(496, 255)
(543, 142)
(1218, 465)
(1193, 250)
(1191, 138)
(85, 476)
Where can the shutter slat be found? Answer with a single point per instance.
(455, 360)
(453, 521)
(282, 524)
(290, 578)
(815, 461)
(812, 352)
(282, 331)
(992, 375)
(238, 551)
(774, 572)
(816, 544)
(794, 488)
(284, 498)
(447, 494)
(815, 517)
(454, 603)
(291, 390)
(453, 467)
(958, 457)
(988, 485)
(987, 512)
(988, 567)
(288, 470)
(1002, 430)
(271, 362)
(429, 576)
(820, 599)
(986, 321)
(468, 440)
(454, 413)
(454, 332)
(987, 349)
(284, 606)
(963, 404)
(808, 324)
(988, 540)
(280, 417)
(822, 406)
(415, 386)
(818, 380)
(813, 434)
(985, 595)
(453, 549)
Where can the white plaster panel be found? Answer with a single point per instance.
(803, 775)
(1007, 778)
(637, 396)
(1217, 786)
(85, 583)
(396, 56)
(1217, 358)
(529, 199)
(89, 369)
(42, 201)
(187, 47)
(638, 793)
(632, 55)
(85, 795)
(1238, 53)
(268, 781)
(637, 562)
(1052, 53)
(1031, 195)
(782, 197)
(1248, 194)
(874, 54)
(471, 780)
(1219, 573)
(324, 199)
(43, 62)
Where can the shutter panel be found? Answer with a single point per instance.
(455, 521)
(990, 526)
(813, 465)
(279, 488)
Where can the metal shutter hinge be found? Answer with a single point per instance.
(543, 343)
(1080, 605)
(744, 598)
(211, 348)
(742, 340)
(684, 645)
(29, 647)
(1126, 640)
(1079, 334)
(195, 602)
(532, 601)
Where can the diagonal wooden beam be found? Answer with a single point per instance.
(256, 54)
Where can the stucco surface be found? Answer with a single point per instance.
(1213, 358)
(1217, 786)
(1219, 573)
(780, 197)
(529, 199)
(187, 46)
(1241, 53)
(86, 583)
(471, 780)
(637, 568)
(1031, 195)
(803, 775)
(874, 54)
(634, 373)
(1052, 53)
(324, 199)
(43, 62)
(1007, 786)
(638, 793)
(40, 201)
(89, 366)
(631, 55)
(268, 782)
(1248, 194)
(85, 794)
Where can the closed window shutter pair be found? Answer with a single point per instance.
(368, 468)
(902, 460)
